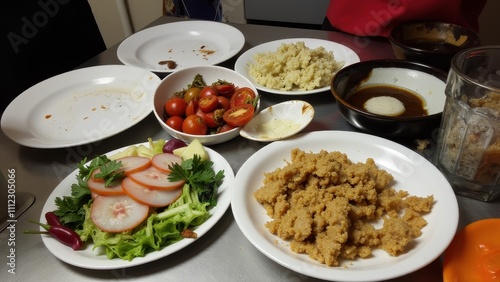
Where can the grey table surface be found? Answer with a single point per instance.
(224, 253)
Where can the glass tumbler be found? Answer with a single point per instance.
(468, 148)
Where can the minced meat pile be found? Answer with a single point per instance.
(324, 205)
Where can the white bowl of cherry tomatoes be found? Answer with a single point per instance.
(208, 103)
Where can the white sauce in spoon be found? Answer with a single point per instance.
(276, 128)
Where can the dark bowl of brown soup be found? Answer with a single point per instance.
(391, 98)
(432, 43)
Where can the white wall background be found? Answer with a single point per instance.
(141, 13)
(116, 26)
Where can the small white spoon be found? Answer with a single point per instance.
(279, 121)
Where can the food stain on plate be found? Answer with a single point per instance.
(474, 253)
(279, 121)
(102, 107)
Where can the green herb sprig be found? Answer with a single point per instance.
(110, 172)
(70, 208)
(200, 175)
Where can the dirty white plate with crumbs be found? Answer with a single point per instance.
(279, 121)
(411, 173)
(80, 106)
(173, 46)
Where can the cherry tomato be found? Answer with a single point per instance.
(247, 90)
(214, 119)
(208, 103)
(224, 88)
(175, 106)
(192, 107)
(200, 113)
(239, 116)
(244, 95)
(224, 128)
(223, 103)
(194, 124)
(208, 91)
(175, 122)
(192, 93)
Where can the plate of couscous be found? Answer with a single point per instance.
(294, 66)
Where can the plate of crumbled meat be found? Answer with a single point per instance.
(174, 46)
(344, 206)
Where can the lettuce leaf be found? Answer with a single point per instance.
(153, 148)
(160, 229)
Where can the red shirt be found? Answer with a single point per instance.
(378, 17)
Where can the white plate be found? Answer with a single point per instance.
(93, 260)
(279, 121)
(80, 106)
(188, 43)
(341, 53)
(411, 172)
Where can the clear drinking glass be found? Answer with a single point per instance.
(468, 149)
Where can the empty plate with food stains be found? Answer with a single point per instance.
(279, 121)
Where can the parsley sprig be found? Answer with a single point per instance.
(70, 208)
(200, 175)
(110, 172)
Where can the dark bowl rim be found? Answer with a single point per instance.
(385, 63)
(393, 40)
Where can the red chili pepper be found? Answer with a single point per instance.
(52, 219)
(61, 233)
(66, 236)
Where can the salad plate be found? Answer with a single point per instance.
(80, 106)
(96, 259)
(411, 172)
(186, 44)
(341, 53)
